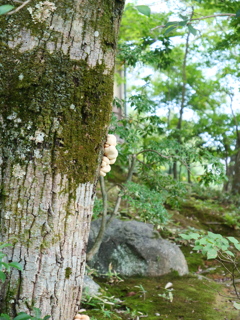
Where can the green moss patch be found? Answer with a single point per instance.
(193, 299)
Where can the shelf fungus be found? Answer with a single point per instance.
(110, 154)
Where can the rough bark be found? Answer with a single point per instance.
(56, 90)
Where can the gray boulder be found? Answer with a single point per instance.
(90, 287)
(135, 248)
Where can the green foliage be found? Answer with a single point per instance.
(102, 304)
(148, 204)
(5, 267)
(214, 245)
(112, 276)
(232, 219)
(25, 316)
(174, 25)
(98, 208)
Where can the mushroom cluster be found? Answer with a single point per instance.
(110, 154)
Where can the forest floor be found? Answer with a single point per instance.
(206, 293)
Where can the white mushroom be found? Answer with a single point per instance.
(103, 174)
(106, 169)
(112, 161)
(81, 317)
(111, 140)
(105, 159)
(103, 164)
(111, 152)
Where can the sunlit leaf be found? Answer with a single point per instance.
(169, 30)
(192, 30)
(236, 305)
(5, 8)
(233, 240)
(16, 265)
(229, 253)
(144, 10)
(212, 254)
(23, 316)
(2, 276)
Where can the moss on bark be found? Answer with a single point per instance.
(65, 101)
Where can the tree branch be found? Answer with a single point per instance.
(152, 150)
(202, 18)
(18, 8)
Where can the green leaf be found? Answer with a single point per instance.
(171, 23)
(4, 316)
(2, 255)
(236, 305)
(6, 265)
(183, 17)
(229, 253)
(185, 236)
(144, 10)
(237, 246)
(5, 8)
(2, 276)
(197, 248)
(223, 248)
(203, 241)
(23, 316)
(37, 312)
(183, 23)
(4, 245)
(238, 14)
(16, 265)
(212, 254)
(192, 30)
(194, 235)
(215, 235)
(232, 239)
(167, 31)
(46, 317)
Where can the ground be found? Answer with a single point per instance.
(206, 293)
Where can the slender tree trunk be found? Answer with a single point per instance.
(56, 76)
(236, 167)
(175, 173)
(183, 98)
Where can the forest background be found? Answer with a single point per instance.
(183, 133)
(184, 101)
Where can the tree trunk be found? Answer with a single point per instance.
(56, 74)
(236, 167)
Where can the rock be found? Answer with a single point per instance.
(90, 287)
(135, 248)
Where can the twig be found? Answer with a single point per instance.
(101, 232)
(18, 8)
(152, 150)
(234, 282)
(119, 198)
(202, 18)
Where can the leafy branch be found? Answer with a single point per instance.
(7, 9)
(173, 25)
